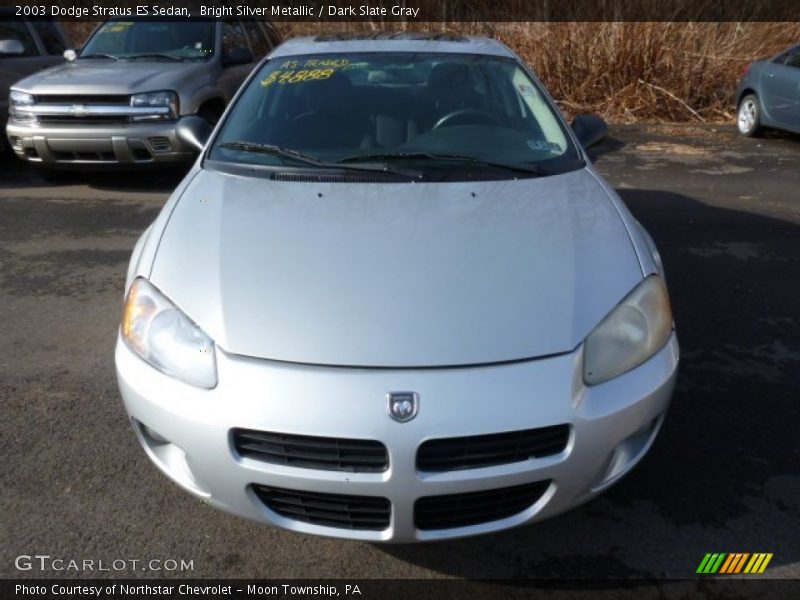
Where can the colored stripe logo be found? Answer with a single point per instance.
(733, 563)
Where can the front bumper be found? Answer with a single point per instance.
(135, 144)
(612, 427)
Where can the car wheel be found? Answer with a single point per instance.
(749, 116)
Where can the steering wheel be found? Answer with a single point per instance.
(470, 115)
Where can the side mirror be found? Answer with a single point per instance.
(194, 130)
(237, 56)
(70, 55)
(589, 129)
(11, 48)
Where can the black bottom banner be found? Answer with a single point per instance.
(412, 589)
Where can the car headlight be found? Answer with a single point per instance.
(165, 99)
(157, 330)
(17, 102)
(634, 331)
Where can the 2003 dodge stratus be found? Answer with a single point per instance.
(394, 301)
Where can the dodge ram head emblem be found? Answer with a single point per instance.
(402, 406)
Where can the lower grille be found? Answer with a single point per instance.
(329, 510)
(86, 156)
(474, 508)
(471, 452)
(65, 120)
(308, 452)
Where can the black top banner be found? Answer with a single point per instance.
(410, 11)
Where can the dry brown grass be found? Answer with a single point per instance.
(627, 72)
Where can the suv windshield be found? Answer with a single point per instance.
(433, 111)
(151, 39)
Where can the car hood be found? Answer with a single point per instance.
(105, 76)
(396, 275)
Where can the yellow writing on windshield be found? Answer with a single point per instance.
(116, 27)
(292, 76)
(328, 63)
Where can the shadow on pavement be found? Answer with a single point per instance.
(777, 134)
(16, 174)
(608, 145)
(724, 474)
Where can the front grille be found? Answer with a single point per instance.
(96, 99)
(474, 508)
(329, 510)
(471, 452)
(61, 103)
(310, 452)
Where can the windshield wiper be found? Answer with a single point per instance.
(155, 55)
(308, 159)
(99, 55)
(534, 171)
(274, 150)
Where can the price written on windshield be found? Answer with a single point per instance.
(296, 71)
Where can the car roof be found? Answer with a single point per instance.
(382, 41)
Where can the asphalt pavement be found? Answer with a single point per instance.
(723, 476)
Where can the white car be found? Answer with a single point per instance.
(393, 300)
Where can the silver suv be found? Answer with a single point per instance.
(26, 47)
(120, 100)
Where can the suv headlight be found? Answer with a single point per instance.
(164, 99)
(634, 331)
(157, 330)
(20, 100)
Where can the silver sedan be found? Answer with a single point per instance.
(393, 300)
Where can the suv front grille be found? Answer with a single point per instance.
(474, 508)
(471, 452)
(97, 99)
(329, 510)
(310, 452)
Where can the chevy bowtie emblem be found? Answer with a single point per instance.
(79, 110)
(402, 406)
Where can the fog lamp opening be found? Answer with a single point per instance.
(628, 453)
(170, 459)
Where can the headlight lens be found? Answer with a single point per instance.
(162, 335)
(166, 99)
(17, 101)
(636, 329)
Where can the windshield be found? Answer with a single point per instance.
(428, 111)
(151, 39)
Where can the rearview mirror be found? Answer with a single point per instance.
(237, 56)
(194, 130)
(11, 48)
(589, 129)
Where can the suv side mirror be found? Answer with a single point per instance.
(194, 130)
(589, 129)
(11, 48)
(237, 56)
(70, 55)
